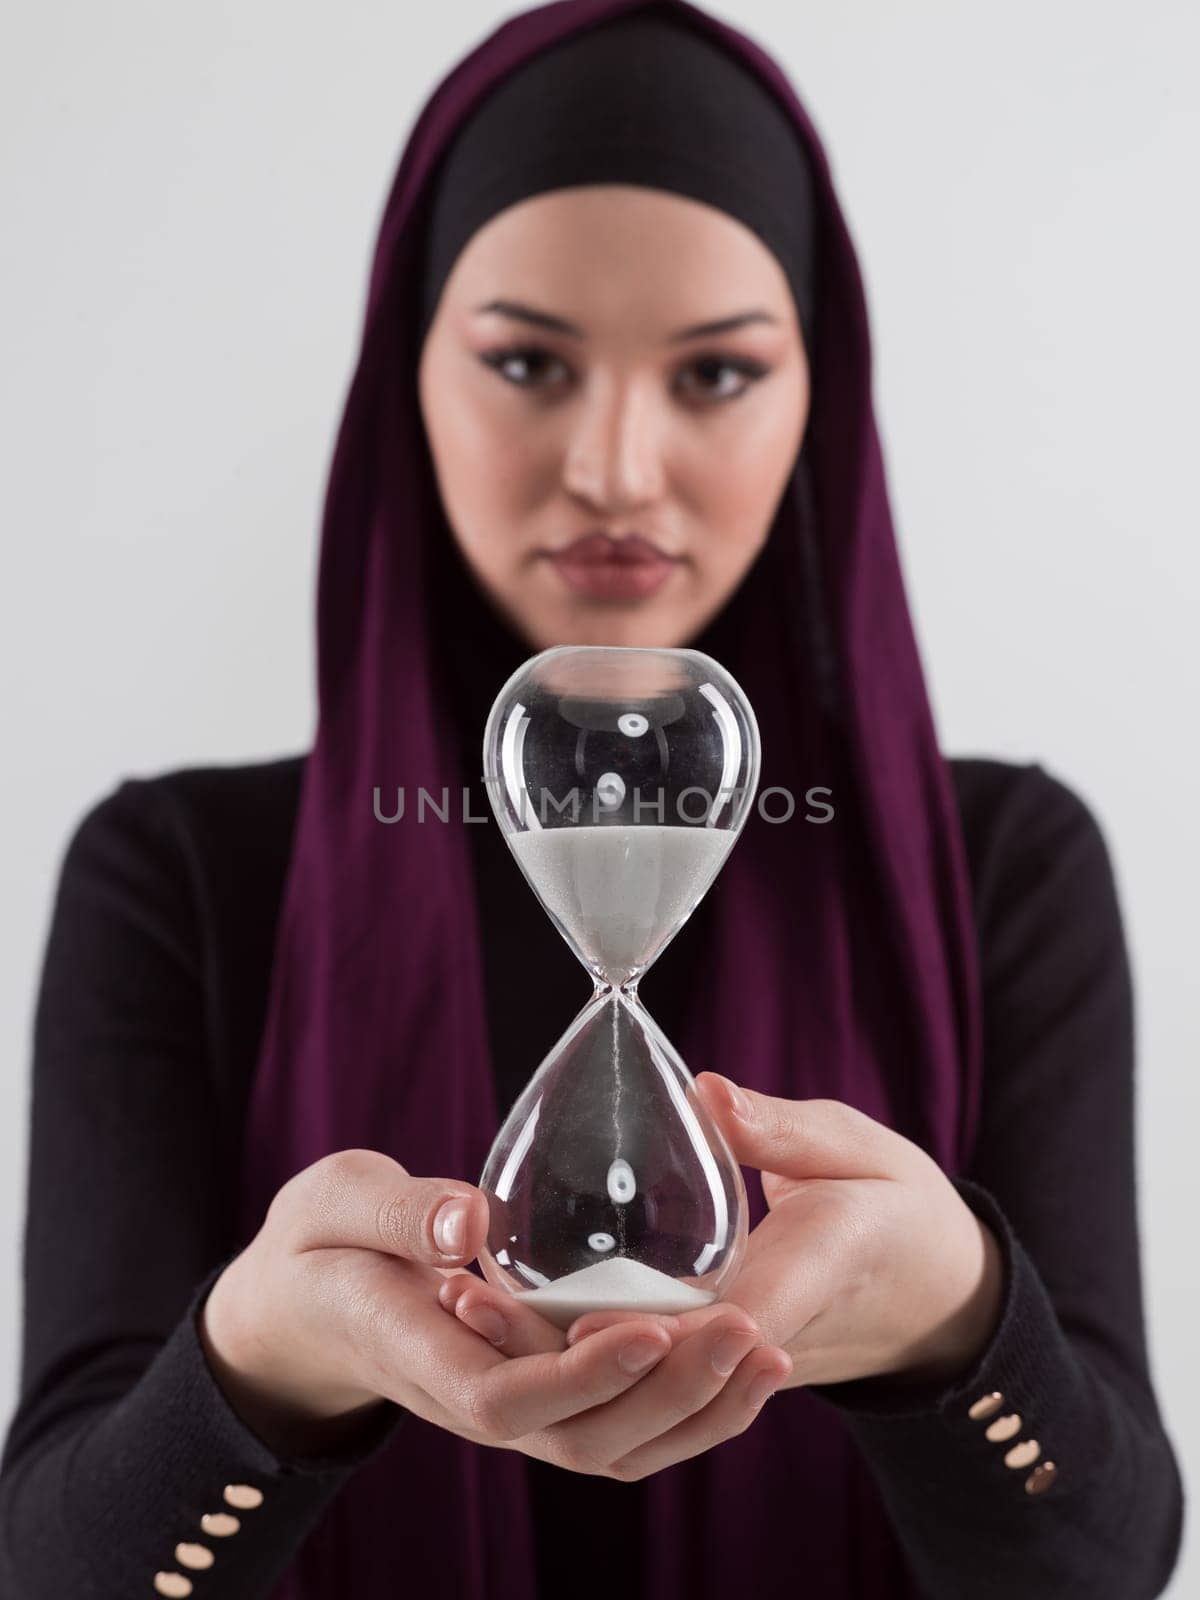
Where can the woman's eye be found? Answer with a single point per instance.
(721, 378)
(525, 368)
(707, 379)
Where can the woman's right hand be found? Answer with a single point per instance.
(334, 1305)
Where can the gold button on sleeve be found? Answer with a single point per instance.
(243, 1495)
(196, 1556)
(219, 1523)
(986, 1406)
(1004, 1428)
(1040, 1479)
(173, 1584)
(1023, 1454)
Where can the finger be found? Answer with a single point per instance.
(518, 1330)
(497, 1396)
(527, 1337)
(452, 1285)
(500, 1318)
(684, 1383)
(731, 1413)
(680, 1325)
(806, 1138)
(530, 1394)
(596, 1321)
(363, 1199)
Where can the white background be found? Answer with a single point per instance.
(190, 196)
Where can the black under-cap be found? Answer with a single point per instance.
(643, 99)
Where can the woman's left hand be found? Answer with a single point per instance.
(869, 1261)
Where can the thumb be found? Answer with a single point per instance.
(804, 1138)
(458, 1222)
(366, 1200)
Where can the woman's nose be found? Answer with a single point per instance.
(613, 456)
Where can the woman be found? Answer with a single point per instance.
(275, 1035)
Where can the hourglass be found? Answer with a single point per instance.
(620, 778)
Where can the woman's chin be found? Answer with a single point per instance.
(659, 621)
(641, 627)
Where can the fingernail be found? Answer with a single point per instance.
(729, 1350)
(486, 1321)
(763, 1387)
(737, 1099)
(639, 1355)
(450, 1227)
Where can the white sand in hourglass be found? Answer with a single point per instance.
(621, 890)
(614, 1285)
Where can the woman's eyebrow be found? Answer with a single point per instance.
(554, 324)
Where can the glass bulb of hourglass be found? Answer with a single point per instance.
(621, 778)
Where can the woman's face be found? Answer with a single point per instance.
(613, 360)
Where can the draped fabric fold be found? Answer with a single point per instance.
(842, 961)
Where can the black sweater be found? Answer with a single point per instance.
(148, 1020)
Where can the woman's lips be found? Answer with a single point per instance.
(605, 568)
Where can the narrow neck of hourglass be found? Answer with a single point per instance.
(626, 986)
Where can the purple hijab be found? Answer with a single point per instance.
(842, 961)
